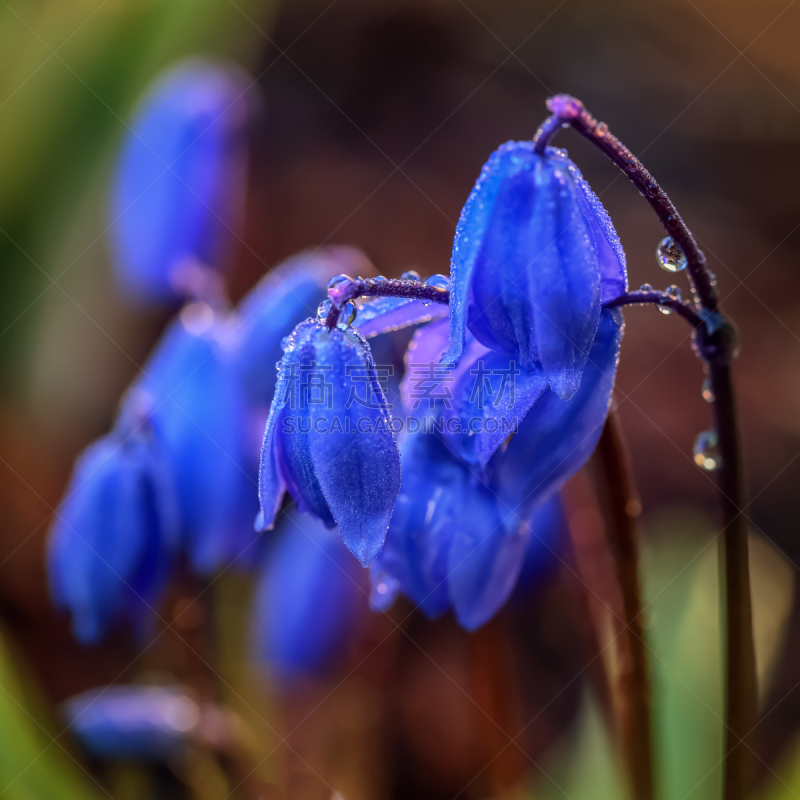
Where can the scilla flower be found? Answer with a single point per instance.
(328, 438)
(473, 497)
(179, 185)
(198, 413)
(309, 594)
(114, 534)
(534, 256)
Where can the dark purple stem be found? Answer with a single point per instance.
(375, 287)
(716, 343)
(569, 111)
(659, 299)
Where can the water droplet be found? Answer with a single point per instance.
(665, 310)
(601, 130)
(285, 342)
(380, 279)
(707, 391)
(411, 275)
(348, 314)
(670, 255)
(646, 287)
(323, 309)
(674, 292)
(439, 281)
(706, 451)
(278, 365)
(338, 280)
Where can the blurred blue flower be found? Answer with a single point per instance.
(328, 438)
(179, 187)
(534, 256)
(137, 723)
(199, 417)
(308, 597)
(114, 534)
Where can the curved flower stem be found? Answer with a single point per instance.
(633, 693)
(660, 299)
(715, 343)
(374, 287)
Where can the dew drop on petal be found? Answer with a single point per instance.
(706, 451)
(411, 275)
(670, 255)
(323, 309)
(348, 315)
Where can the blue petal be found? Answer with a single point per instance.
(180, 180)
(307, 598)
(110, 547)
(139, 723)
(611, 256)
(488, 392)
(358, 470)
(200, 419)
(414, 559)
(558, 436)
(485, 560)
(387, 314)
(492, 396)
(564, 277)
(466, 247)
(549, 531)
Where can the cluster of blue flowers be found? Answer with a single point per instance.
(438, 458)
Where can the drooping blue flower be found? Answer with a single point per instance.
(464, 524)
(285, 297)
(328, 438)
(308, 597)
(133, 723)
(449, 544)
(534, 256)
(114, 534)
(199, 418)
(178, 191)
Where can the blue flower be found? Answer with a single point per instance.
(472, 508)
(308, 597)
(114, 535)
(133, 723)
(328, 438)
(199, 418)
(450, 544)
(534, 256)
(179, 184)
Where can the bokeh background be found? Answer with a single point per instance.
(375, 120)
